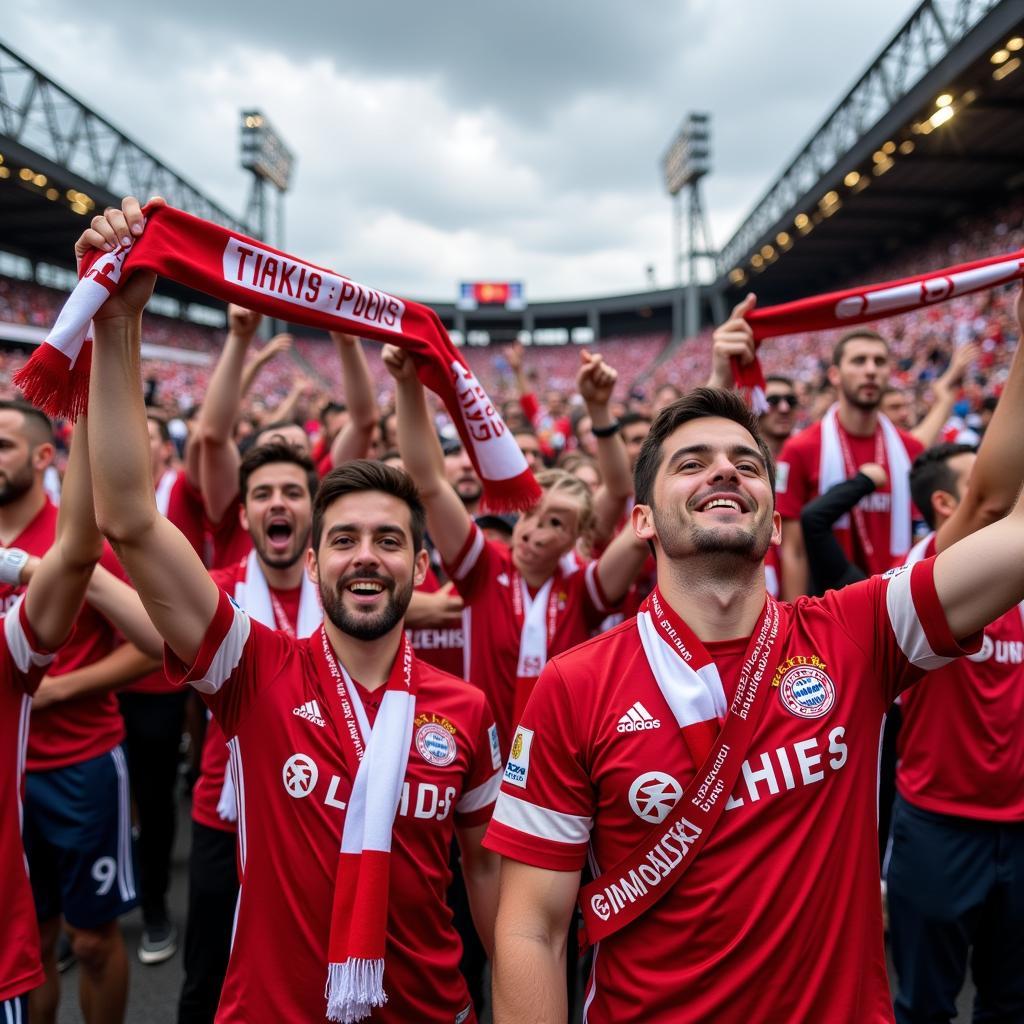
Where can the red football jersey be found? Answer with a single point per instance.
(779, 918)
(440, 645)
(961, 746)
(483, 574)
(797, 484)
(212, 764)
(292, 781)
(22, 666)
(75, 730)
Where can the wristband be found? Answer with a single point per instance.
(12, 561)
(610, 431)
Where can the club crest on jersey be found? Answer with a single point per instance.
(805, 688)
(436, 745)
(518, 768)
(299, 775)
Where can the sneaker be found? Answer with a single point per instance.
(159, 942)
(66, 959)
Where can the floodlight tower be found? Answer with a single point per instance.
(685, 162)
(270, 162)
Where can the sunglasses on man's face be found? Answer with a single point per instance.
(774, 401)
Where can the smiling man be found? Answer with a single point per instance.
(853, 432)
(354, 764)
(714, 759)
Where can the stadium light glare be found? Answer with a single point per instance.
(40, 180)
(865, 180)
(907, 147)
(757, 261)
(1007, 69)
(944, 100)
(851, 179)
(1000, 57)
(882, 166)
(941, 116)
(767, 251)
(889, 148)
(802, 220)
(80, 208)
(25, 174)
(737, 276)
(1, 158)
(52, 194)
(5, 172)
(1015, 44)
(783, 238)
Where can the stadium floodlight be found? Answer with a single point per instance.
(263, 151)
(688, 159)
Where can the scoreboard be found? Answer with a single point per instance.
(474, 294)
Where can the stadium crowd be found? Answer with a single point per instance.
(419, 725)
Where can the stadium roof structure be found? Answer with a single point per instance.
(931, 131)
(61, 163)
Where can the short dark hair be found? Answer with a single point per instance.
(360, 475)
(628, 419)
(930, 473)
(272, 452)
(34, 418)
(157, 417)
(775, 378)
(857, 332)
(330, 408)
(700, 403)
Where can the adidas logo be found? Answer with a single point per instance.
(310, 711)
(637, 719)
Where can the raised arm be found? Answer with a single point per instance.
(175, 589)
(55, 592)
(252, 369)
(733, 339)
(944, 397)
(999, 469)
(218, 454)
(534, 910)
(354, 439)
(595, 382)
(448, 521)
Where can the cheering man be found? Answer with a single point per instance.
(753, 771)
(354, 764)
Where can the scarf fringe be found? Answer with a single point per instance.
(516, 494)
(353, 989)
(51, 383)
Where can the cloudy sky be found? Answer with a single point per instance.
(446, 142)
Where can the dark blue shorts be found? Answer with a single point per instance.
(14, 1010)
(78, 840)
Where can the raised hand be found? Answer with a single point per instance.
(595, 380)
(733, 339)
(398, 362)
(242, 322)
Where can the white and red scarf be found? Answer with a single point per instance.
(377, 758)
(837, 464)
(870, 302)
(536, 619)
(234, 268)
(254, 597)
(717, 735)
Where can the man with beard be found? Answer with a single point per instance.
(853, 432)
(277, 482)
(77, 823)
(729, 737)
(354, 763)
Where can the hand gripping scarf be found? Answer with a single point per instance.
(237, 269)
(871, 302)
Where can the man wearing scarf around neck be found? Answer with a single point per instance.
(354, 763)
(728, 738)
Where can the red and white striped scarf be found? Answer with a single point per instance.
(870, 302)
(237, 269)
(377, 758)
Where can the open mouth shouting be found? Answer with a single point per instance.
(722, 503)
(365, 589)
(280, 532)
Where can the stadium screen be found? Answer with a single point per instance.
(474, 294)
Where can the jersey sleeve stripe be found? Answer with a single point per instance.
(20, 641)
(906, 626)
(933, 616)
(221, 650)
(542, 822)
(470, 553)
(482, 796)
(597, 595)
